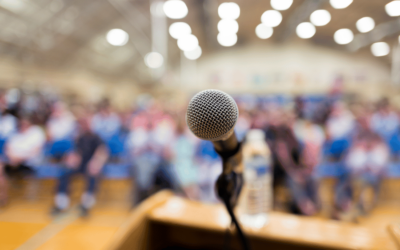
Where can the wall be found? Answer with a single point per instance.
(78, 82)
(292, 68)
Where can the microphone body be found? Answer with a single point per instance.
(212, 115)
(230, 151)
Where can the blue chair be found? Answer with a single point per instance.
(48, 171)
(336, 148)
(116, 171)
(330, 169)
(116, 144)
(2, 144)
(58, 148)
(394, 143)
(206, 150)
(393, 170)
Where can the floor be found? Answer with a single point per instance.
(26, 223)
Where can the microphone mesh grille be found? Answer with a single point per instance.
(211, 114)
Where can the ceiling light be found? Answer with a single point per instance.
(117, 37)
(343, 36)
(228, 26)
(175, 9)
(281, 4)
(193, 54)
(365, 24)
(263, 31)
(271, 18)
(380, 49)
(305, 30)
(320, 17)
(179, 29)
(340, 4)
(393, 8)
(188, 42)
(229, 11)
(15, 6)
(226, 39)
(154, 60)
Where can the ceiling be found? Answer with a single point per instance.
(71, 33)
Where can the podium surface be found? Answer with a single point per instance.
(165, 221)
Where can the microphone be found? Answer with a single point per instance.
(212, 115)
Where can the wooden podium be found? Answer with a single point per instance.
(165, 221)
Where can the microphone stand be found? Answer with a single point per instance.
(230, 182)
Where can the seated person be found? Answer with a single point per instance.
(366, 162)
(384, 122)
(105, 123)
(339, 128)
(149, 144)
(88, 158)
(60, 129)
(288, 167)
(23, 151)
(184, 166)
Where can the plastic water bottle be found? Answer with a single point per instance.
(256, 198)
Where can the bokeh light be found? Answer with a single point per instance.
(117, 37)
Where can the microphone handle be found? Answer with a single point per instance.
(230, 151)
(228, 145)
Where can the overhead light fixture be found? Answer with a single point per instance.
(393, 8)
(193, 54)
(175, 9)
(263, 31)
(365, 24)
(179, 29)
(281, 4)
(15, 6)
(343, 36)
(188, 42)
(380, 49)
(340, 4)
(229, 11)
(226, 39)
(117, 37)
(271, 18)
(228, 26)
(305, 30)
(154, 60)
(320, 17)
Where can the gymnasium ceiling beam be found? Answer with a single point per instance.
(381, 31)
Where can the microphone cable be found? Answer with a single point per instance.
(243, 239)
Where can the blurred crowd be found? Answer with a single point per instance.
(309, 139)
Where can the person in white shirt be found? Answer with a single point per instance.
(340, 123)
(60, 128)
(23, 152)
(25, 146)
(106, 123)
(385, 122)
(61, 123)
(367, 161)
